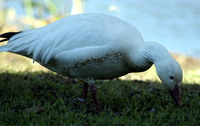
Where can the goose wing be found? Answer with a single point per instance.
(71, 34)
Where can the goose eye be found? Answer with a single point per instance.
(171, 77)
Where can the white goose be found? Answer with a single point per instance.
(95, 46)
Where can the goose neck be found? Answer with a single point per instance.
(154, 52)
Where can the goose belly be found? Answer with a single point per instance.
(110, 66)
(103, 70)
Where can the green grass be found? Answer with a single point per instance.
(38, 98)
(32, 95)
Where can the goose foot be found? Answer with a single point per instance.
(85, 90)
(93, 91)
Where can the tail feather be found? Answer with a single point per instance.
(3, 49)
(8, 35)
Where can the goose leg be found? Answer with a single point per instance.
(93, 91)
(85, 90)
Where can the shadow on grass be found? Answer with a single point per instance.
(33, 96)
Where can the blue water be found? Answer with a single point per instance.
(173, 23)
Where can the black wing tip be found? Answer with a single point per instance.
(8, 35)
(4, 40)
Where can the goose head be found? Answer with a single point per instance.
(170, 73)
(167, 68)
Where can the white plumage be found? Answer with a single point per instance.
(94, 46)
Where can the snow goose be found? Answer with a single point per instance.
(95, 46)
